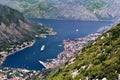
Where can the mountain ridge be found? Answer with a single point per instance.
(15, 28)
(69, 9)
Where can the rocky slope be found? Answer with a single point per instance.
(14, 28)
(68, 9)
(99, 60)
(60, 11)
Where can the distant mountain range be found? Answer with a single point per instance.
(99, 60)
(67, 9)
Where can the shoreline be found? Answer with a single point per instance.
(24, 45)
(49, 33)
(16, 49)
(63, 56)
(72, 47)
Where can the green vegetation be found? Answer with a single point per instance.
(39, 28)
(29, 1)
(40, 9)
(15, 29)
(5, 47)
(8, 15)
(68, 9)
(92, 5)
(1, 56)
(100, 59)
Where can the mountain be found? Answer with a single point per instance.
(68, 9)
(15, 28)
(59, 11)
(99, 60)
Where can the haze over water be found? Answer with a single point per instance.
(66, 29)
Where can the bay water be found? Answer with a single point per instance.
(66, 29)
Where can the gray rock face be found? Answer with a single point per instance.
(13, 26)
(68, 9)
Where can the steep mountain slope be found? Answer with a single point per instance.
(99, 60)
(60, 11)
(68, 9)
(14, 28)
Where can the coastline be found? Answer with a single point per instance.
(71, 48)
(49, 33)
(16, 49)
(74, 46)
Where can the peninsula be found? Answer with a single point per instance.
(72, 47)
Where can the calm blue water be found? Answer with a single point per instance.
(66, 29)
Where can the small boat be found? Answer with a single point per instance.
(44, 64)
(60, 45)
(42, 48)
(77, 30)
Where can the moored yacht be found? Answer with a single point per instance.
(42, 48)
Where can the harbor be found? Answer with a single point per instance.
(72, 47)
(67, 31)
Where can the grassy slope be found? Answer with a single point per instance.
(100, 59)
